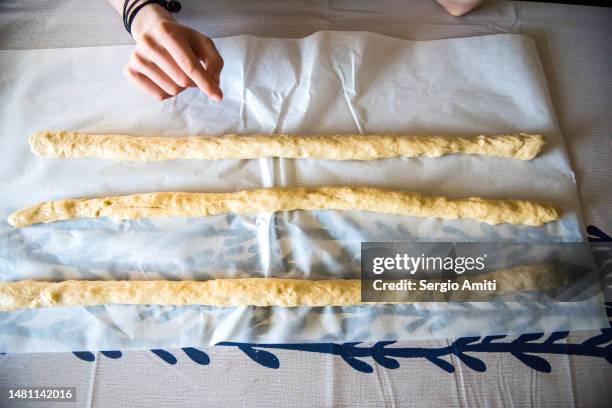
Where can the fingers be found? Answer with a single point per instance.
(145, 83)
(163, 60)
(153, 72)
(171, 57)
(191, 65)
(205, 49)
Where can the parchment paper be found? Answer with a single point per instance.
(328, 82)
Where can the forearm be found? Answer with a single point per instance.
(147, 17)
(117, 5)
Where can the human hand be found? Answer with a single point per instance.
(170, 57)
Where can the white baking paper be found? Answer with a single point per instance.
(328, 82)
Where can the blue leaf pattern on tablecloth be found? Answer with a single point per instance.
(197, 356)
(527, 348)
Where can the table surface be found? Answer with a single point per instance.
(576, 52)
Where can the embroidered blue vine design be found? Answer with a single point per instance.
(527, 348)
(524, 348)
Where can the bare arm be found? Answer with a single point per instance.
(170, 57)
(459, 7)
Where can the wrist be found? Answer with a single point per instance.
(148, 17)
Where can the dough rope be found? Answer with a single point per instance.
(183, 204)
(216, 292)
(247, 291)
(64, 144)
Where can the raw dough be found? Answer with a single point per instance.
(329, 147)
(243, 292)
(218, 292)
(180, 204)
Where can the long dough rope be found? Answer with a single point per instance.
(329, 147)
(217, 292)
(179, 204)
(245, 292)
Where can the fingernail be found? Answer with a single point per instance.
(217, 97)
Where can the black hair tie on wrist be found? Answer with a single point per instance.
(130, 10)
